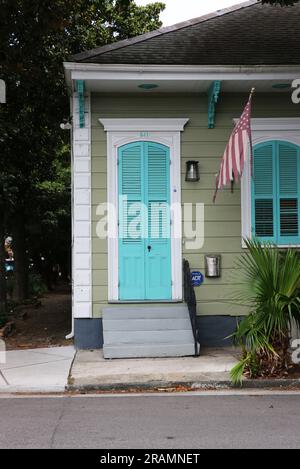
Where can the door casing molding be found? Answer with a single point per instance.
(166, 132)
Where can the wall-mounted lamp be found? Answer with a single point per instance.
(66, 124)
(192, 171)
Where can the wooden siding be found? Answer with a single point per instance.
(222, 220)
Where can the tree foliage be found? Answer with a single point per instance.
(35, 38)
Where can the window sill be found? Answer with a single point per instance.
(280, 246)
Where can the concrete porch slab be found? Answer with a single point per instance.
(91, 371)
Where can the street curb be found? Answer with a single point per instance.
(192, 386)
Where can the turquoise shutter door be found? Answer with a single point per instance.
(288, 183)
(264, 204)
(158, 253)
(131, 241)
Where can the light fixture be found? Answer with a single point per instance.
(148, 86)
(192, 171)
(66, 124)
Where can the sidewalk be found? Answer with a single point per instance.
(46, 370)
(91, 372)
(36, 370)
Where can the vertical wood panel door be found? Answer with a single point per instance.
(144, 222)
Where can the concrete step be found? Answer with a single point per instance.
(145, 312)
(148, 350)
(148, 337)
(147, 331)
(146, 324)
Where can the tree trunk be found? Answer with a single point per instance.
(2, 266)
(20, 256)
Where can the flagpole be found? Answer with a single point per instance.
(252, 92)
(251, 155)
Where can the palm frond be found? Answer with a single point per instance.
(271, 288)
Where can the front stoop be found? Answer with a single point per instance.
(91, 371)
(147, 332)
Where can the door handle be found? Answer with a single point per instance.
(149, 248)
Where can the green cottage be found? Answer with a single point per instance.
(151, 119)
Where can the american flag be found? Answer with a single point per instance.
(238, 150)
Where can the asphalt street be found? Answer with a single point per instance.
(194, 421)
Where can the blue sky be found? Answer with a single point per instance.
(181, 10)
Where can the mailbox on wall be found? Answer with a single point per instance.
(213, 266)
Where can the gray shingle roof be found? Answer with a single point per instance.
(246, 34)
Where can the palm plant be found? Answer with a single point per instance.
(271, 287)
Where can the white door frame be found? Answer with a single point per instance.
(164, 131)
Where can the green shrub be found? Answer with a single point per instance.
(271, 288)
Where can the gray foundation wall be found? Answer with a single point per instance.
(213, 331)
(88, 334)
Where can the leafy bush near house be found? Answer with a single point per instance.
(272, 289)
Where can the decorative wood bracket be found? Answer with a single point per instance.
(213, 97)
(80, 88)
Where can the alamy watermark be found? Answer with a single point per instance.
(2, 351)
(2, 92)
(295, 346)
(135, 220)
(296, 92)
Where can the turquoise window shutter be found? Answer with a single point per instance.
(264, 221)
(276, 192)
(288, 182)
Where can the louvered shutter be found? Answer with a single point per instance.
(263, 193)
(131, 242)
(158, 260)
(288, 193)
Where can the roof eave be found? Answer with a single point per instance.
(90, 71)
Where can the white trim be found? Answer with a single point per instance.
(81, 213)
(91, 71)
(263, 130)
(146, 125)
(147, 130)
(177, 68)
(278, 124)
